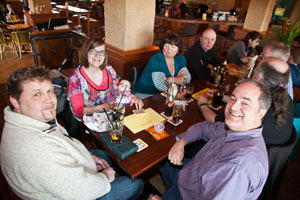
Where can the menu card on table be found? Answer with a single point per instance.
(204, 92)
(139, 122)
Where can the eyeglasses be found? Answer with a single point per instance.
(95, 52)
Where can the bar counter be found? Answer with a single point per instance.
(198, 25)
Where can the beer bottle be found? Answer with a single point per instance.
(169, 101)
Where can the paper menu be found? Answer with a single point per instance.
(137, 123)
(204, 91)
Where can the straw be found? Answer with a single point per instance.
(109, 119)
(121, 97)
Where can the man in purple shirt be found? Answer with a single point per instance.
(233, 164)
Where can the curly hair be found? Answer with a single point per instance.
(14, 83)
(91, 43)
(275, 81)
(172, 38)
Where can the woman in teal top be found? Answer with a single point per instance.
(167, 64)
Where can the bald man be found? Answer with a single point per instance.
(201, 57)
(282, 51)
(274, 73)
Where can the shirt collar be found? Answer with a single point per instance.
(244, 135)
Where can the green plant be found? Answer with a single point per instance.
(288, 33)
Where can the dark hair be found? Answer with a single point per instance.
(280, 97)
(172, 38)
(91, 43)
(15, 81)
(297, 40)
(253, 36)
(264, 99)
(295, 53)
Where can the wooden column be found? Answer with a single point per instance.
(129, 26)
(259, 15)
(36, 6)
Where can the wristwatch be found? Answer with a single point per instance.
(202, 104)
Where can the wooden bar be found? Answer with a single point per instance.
(34, 18)
(123, 61)
(79, 12)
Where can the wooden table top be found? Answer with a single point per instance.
(72, 9)
(157, 151)
(17, 26)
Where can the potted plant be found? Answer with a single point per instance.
(288, 33)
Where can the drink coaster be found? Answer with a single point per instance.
(168, 118)
(217, 108)
(171, 122)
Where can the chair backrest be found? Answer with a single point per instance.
(278, 159)
(21, 37)
(134, 75)
(2, 38)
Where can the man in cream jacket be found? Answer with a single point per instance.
(38, 158)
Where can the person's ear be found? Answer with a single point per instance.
(15, 103)
(262, 113)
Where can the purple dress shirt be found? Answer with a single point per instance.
(229, 166)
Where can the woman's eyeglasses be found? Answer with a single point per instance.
(95, 52)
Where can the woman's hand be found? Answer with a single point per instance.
(178, 79)
(137, 102)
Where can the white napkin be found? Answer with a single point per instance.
(98, 122)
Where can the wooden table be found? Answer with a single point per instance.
(79, 12)
(157, 151)
(17, 27)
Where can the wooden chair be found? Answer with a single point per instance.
(296, 95)
(5, 41)
(21, 38)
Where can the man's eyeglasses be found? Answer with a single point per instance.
(95, 52)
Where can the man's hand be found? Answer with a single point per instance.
(177, 152)
(100, 163)
(137, 102)
(202, 99)
(153, 197)
(109, 173)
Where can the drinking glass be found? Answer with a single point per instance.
(116, 132)
(176, 115)
(118, 111)
(189, 91)
(217, 98)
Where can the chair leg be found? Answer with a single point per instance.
(20, 51)
(1, 51)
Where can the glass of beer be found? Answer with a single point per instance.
(217, 98)
(116, 132)
(189, 91)
(176, 115)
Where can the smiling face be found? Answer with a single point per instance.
(170, 50)
(208, 39)
(37, 101)
(97, 59)
(254, 43)
(243, 111)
